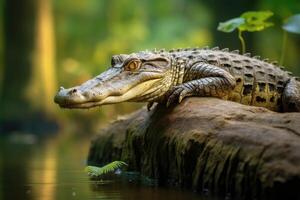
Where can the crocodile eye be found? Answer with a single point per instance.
(133, 65)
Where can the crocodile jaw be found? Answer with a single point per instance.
(95, 93)
(133, 92)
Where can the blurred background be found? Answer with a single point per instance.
(45, 44)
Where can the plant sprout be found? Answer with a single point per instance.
(250, 21)
(94, 171)
(291, 25)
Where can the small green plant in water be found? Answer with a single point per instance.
(290, 25)
(94, 171)
(250, 21)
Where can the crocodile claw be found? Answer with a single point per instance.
(178, 94)
(182, 95)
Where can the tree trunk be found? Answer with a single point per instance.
(28, 74)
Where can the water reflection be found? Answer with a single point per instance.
(45, 175)
(47, 168)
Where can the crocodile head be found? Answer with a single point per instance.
(138, 77)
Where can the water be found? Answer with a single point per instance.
(52, 167)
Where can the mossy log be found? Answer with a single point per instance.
(209, 145)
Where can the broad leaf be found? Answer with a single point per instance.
(231, 24)
(256, 21)
(292, 24)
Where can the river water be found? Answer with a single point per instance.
(52, 167)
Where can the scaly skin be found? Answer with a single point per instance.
(170, 76)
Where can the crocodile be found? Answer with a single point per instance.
(168, 76)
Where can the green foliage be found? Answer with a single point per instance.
(231, 24)
(255, 21)
(109, 168)
(252, 21)
(292, 24)
(249, 21)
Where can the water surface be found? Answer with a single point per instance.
(52, 167)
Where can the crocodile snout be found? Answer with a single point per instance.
(70, 96)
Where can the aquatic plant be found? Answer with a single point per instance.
(250, 21)
(94, 171)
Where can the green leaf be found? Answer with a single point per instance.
(292, 24)
(231, 24)
(256, 21)
(94, 171)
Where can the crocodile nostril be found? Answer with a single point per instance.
(72, 91)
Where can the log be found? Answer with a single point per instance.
(209, 145)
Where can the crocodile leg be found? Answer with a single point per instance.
(291, 96)
(210, 81)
